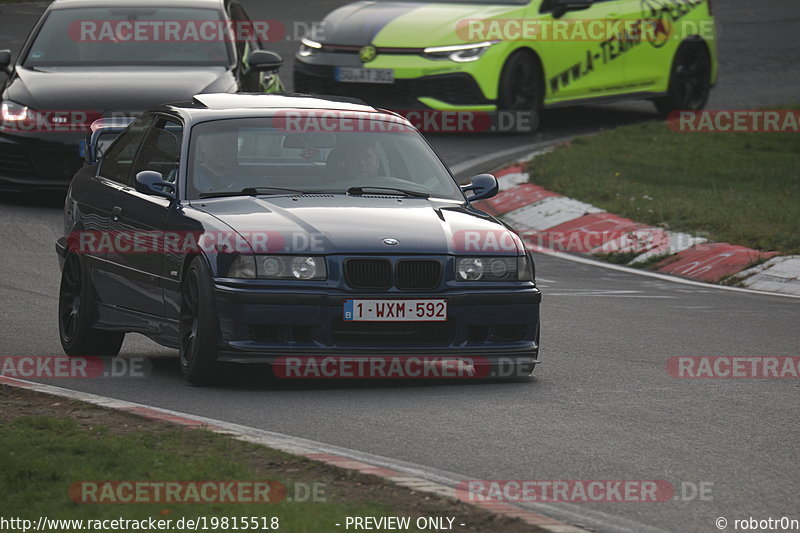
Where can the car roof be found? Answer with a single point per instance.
(277, 101)
(214, 106)
(58, 4)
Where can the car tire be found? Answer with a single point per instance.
(521, 85)
(199, 326)
(689, 80)
(77, 311)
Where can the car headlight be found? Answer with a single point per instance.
(460, 53)
(299, 267)
(291, 267)
(14, 112)
(493, 269)
(309, 47)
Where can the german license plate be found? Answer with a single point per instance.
(395, 310)
(364, 75)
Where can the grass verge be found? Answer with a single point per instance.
(48, 443)
(739, 188)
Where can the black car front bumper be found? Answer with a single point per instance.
(266, 326)
(45, 161)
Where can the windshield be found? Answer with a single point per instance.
(131, 36)
(229, 156)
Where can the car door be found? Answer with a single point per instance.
(100, 212)
(581, 53)
(145, 215)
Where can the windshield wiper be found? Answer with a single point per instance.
(263, 190)
(414, 194)
(250, 191)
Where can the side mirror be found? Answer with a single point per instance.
(264, 60)
(484, 186)
(152, 182)
(5, 61)
(562, 6)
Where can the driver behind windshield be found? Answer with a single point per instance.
(355, 160)
(364, 160)
(217, 162)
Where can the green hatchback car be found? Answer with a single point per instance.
(518, 55)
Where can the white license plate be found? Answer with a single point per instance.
(395, 310)
(364, 75)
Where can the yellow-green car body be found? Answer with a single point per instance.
(410, 55)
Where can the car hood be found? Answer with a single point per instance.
(405, 24)
(104, 90)
(338, 224)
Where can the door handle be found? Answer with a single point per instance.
(116, 212)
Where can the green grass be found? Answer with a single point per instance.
(740, 188)
(42, 456)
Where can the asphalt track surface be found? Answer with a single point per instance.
(602, 405)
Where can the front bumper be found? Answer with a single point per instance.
(39, 161)
(414, 88)
(266, 325)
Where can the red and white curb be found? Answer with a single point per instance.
(297, 446)
(552, 223)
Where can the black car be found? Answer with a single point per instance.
(85, 60)
(284, 229)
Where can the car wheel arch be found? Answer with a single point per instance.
(534, 56)
(72, 234)
(666, 104)
(187, 262)
(693, 39)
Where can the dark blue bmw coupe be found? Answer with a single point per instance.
(286, 230)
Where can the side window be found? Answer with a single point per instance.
(161, 149)
(118, 160)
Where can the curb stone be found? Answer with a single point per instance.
(548, 220)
